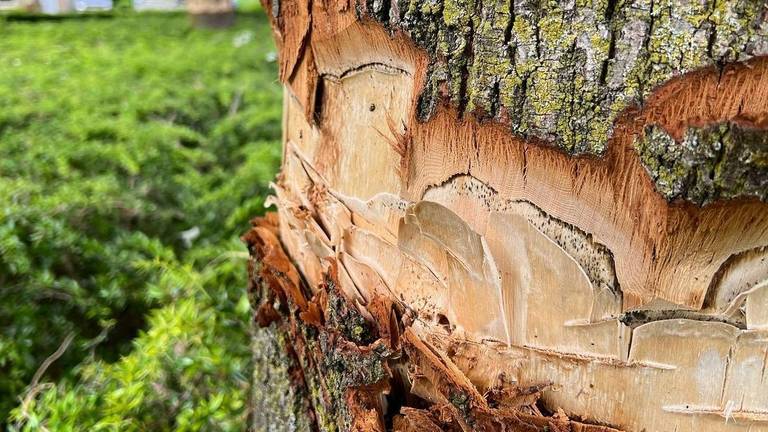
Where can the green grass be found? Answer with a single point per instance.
(116, 136)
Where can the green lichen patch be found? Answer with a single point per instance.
(562, 71)
(277, 403)
(279, 400)
(343, 317)
(718, 162)
(344, 366)
(348, 367)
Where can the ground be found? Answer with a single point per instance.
(133, 151)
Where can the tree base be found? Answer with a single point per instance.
(213, 20)
(322, 365)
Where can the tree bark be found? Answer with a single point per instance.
(516, 215)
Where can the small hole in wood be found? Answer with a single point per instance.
(443, 321)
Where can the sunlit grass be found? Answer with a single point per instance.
(117, 135)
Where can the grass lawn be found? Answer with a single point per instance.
(133, 151)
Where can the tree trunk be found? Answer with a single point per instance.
(516, 215)
(211, 13)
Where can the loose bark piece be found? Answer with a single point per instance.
(512, 215)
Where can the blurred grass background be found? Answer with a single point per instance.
(133, 151)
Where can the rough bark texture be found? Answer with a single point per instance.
(716, 162)
(516, 215)
(563, 71)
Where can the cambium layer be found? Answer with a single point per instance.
(431, 185)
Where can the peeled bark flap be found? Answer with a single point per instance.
(513, 215)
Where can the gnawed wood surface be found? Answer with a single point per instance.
(321, 364)
(626, 288)
(660, 250)
(649, 369)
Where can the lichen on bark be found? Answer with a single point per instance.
(718, 162)
(315, 356)
(277, 403)
(334, 366)
(347, 321)
(562, 71)
(279, 400)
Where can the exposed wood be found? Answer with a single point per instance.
(343, 371)
(543, 211)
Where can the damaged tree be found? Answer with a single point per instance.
(516, 215)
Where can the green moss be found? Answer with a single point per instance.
(117, 134)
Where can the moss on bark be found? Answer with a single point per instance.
(278, 403)
(562, 71)
(722, 161)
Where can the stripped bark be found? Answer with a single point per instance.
(507, 215)
(322, 365)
